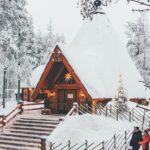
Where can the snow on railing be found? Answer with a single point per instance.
(84, 146)
(117, 142)
(4, 119)
(85, 109)
(74, 110)
(131, 115)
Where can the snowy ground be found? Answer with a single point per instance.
(10, 105)
(88, 127)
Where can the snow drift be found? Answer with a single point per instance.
(87, 127)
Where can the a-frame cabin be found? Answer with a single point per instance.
(60, 84)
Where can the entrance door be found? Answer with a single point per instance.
(66, 98)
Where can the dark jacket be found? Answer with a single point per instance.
(136, 137)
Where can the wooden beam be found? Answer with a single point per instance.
(57, 76)
(45, 73)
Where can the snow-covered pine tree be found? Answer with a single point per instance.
(39, 46)
(16, 39)
(121, 96)
(141, 2)
(89, 7)
(138, 45)
(44, 44)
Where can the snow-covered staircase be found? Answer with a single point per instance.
(25, 132)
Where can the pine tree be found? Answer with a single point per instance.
(89, 7)
(139, 45)
(121, 97)
(44, 44)
(16, 39)
(39, 47)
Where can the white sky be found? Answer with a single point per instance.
(66, 18)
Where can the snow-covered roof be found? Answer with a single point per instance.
(98, 57)
(36, 75)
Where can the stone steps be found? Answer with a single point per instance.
(19, 143)
(20, 138)
(44, 119)
(35, 125)
(22, 135)
(12, 147)
(42, 133)
(35, 121)
(31, 128)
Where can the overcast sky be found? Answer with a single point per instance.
(66, 18)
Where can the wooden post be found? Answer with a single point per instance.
(125, 140)
(2, 122)
(4, 87)
(117, 115)
(20, 106)
(69, 145)
(130, 116)
(114, 142)
(43, 144)
(76, 106)
(133, 114)
(86, 105)
(110, 108)
(93, 107)
(103, 145)
(51, 146)
(143, 120)
(106, 111)
(86, 145)
(100, 109)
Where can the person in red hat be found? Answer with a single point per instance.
(145, 141)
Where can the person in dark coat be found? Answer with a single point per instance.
(136, 138)
(46, 102)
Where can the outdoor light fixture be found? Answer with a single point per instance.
(82, 94)
(52, 94)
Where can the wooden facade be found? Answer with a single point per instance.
(27, 94)
(60, 85)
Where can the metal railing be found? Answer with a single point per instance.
(118, 141)
(82, 146)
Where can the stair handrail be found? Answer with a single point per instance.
(17, 110)
(74, 110)
(86, 108)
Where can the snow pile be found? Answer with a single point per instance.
(88, 127)
(10, 105)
